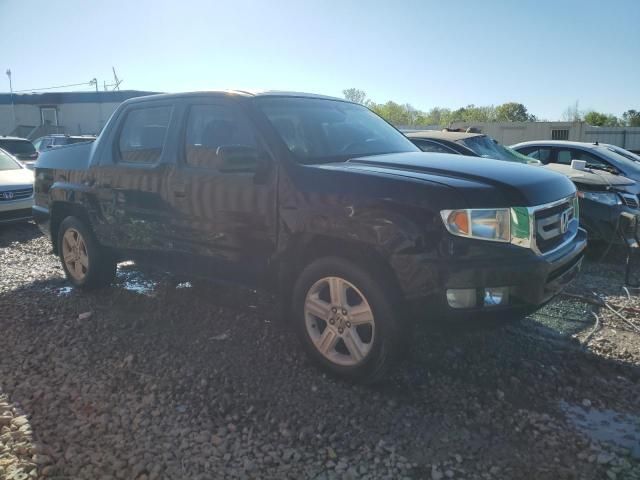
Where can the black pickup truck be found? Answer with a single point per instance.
(318, 199)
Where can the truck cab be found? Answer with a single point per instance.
(317, 199)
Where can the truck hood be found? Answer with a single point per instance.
(20, 177)
(484, 183)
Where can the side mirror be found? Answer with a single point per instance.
(239, 158)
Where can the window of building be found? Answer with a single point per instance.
(49, 115)
(143, 133)
(213, 126)
(560, 134)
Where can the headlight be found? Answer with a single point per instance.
(606, 198)
(484, 224)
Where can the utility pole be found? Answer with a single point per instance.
(95, 82)
(13, 105)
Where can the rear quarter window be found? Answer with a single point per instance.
(143, 133)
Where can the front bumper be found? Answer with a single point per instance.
(12, 211)
(532, 279)
(603, 222)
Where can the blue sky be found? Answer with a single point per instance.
(544, 53)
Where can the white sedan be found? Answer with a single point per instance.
(16, 190)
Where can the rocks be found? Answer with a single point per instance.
(143, 389)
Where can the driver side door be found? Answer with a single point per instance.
(226, 217)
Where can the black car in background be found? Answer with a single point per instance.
(21, 148)
(609, 203)
(58, 139)
(466, 143)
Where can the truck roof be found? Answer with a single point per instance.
(231, 93)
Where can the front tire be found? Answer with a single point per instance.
(346, 318)
(86, 263)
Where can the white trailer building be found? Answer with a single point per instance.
(32, 115)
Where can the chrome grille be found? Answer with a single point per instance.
(630, 201)
(552, 225)
(17, 194)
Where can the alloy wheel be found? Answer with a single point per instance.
(339, 321)
(74, 254)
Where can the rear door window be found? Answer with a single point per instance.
(539, 153)
(143, 134)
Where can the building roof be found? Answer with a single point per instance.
(57, 98)
(442, 135)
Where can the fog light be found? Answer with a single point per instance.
(461, 297)
(496, 296)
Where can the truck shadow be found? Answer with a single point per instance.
(20, 232)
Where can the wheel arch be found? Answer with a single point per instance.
(61, 210)
(306, 248)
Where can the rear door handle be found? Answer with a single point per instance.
(180, 190)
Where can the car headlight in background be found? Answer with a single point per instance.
(483, 224)
(606, 198)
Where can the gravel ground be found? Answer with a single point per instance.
(149, 379)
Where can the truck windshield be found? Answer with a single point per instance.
(487, 147)
(7, 163)
(321, 131)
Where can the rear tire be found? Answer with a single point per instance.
(346, 318)
(86, 263)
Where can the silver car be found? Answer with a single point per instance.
(16, 190)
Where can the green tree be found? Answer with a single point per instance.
(393, 112)
(598, 119)
(437, 116)
(355, 95)
(631, 118)
(513, 112)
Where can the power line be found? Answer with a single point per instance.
(52, 88)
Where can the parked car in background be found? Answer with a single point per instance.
(318, 199)
(622, 151)
(56, 140)
(609, 209)
(608, 201)
(465, 143)
(602, 157)
(16, 190)
(20, 148)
